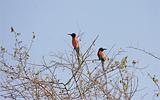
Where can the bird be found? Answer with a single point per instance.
(101, 55)
(76, 47)
(75, 42)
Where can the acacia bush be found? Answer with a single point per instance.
(64, 78)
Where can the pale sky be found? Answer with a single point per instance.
(121, 22)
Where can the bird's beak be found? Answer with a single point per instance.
(104, 49)
(69, 34)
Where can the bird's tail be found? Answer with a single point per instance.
(102, 64)
(78, 54)
(77, 51)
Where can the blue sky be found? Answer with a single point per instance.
(121, 22)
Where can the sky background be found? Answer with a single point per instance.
(121, 22)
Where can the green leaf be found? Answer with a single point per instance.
(117, 63)
(120, 50)
(37, 73)
(112, 65)
(125, 87)
(123, 62)
(46, 78)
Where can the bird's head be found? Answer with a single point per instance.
(73, 35)
(102, 49)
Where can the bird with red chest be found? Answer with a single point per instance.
(75, 42)
(101, 55)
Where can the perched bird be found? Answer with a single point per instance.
(75, 42)
(101, 55)
(76, 48)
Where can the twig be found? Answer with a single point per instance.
(145, 52)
